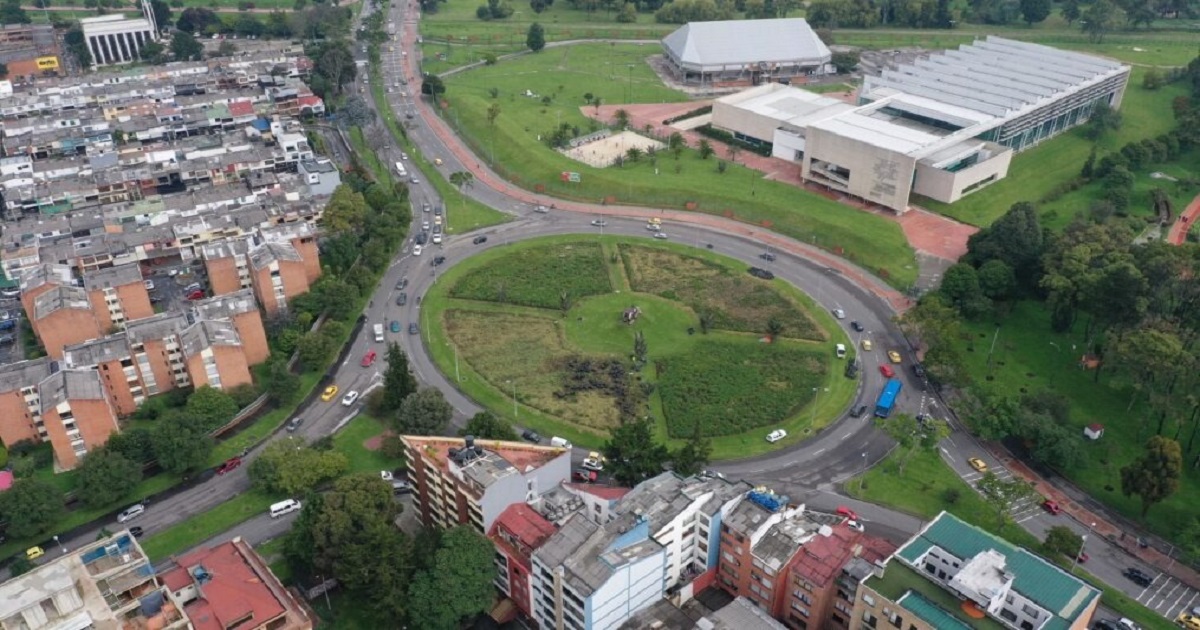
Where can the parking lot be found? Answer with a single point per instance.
(10, 340)
(168, 293)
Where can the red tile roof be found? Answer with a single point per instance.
(241, 108)
(822, 558)
(526, 524)
(235, 593)
(522, 456)
(608, 493)
(310, 101)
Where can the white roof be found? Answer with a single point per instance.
(743, 42)
(787, 104)
(860, 125)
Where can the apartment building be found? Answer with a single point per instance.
(109, 583)
(517, 532)
(154, 342)
(302, 236)
(228, 266)
(39, 278)
(231, 586)
(112, 359)
(117, 294)
(459, 481)
(20, 405)
(62, 316)
(952, 574)
(240, 308)
(278, 273)
(739, 614)
(214, 355)
(77, 414)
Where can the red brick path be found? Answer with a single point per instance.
(1179, 230)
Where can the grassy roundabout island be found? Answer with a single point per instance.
(545, 320)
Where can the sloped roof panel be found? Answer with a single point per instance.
(743, 42)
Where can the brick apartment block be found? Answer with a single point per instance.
(62, 316)
(240, 308)
(77, 414)
(213, 353)
(20, 406)
(278, 274)
(117, 294)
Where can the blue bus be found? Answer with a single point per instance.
(887, 398)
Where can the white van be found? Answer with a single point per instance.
(284, 507)
(560, 443)
(378, 329)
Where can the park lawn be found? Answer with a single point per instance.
(509, 354)
(351, 441)
(456, 22)
(538, 277)
(1030, 357)
(618, 74)
(922, 491)
(200, 527)
(1036, 172)
(1057, 214)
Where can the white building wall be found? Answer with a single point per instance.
(630, 589)
(876, 174)
(947, 187)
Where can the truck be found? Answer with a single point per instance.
(379, 333)
(887, 398)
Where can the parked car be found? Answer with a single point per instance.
(887, 371)
(195, 295)
(149, 284)
(479, 240)
(1105, 624)
(856, 326)
(230, 464)
(776, 435)
(329, 393)
(136, 531)
(594, 461)
(584, 475)
(1051, 506)
(131, 512)
(1188, 621)
(417, 247)
(919, 370)
(761, 273)
(437, 261)
(401, 487)
(847, 512)
(294, 424)
(7, 339)
(1082, 557)
(369, 358)
(978, 464)
(350, 398)
(529, 435)
(420, 239)
(33, 553)
(1137, 576)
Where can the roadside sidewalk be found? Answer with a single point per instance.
(1179, 229)
(1117, 534)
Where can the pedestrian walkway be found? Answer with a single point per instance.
(1179, 230)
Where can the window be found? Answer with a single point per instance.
(1031, 611)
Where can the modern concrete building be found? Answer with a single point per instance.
(239, 308)
(214, 355)
(115, 39)
(465, 481)
(320, 175)
(77, 414)
(745, 52)
(117, 294)
(954, 575)
(109, 583)
(940, 128)
(231, 586)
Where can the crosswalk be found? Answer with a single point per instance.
(1168, 597)
(1021, 510)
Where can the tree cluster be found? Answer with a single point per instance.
(867, 14)
(494, 10)
(684, 11)
(291, 467)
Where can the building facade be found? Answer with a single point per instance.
(117, 294)
(517, 532)
(746, 52)
(77, 413)
(115, 39)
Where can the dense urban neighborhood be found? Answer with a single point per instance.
(599, 315)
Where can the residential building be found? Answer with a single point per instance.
(239, 308)
(154, 342)
(954, 575)
(108, 583)
(214, 356)
(39, 278)
(459, 481)
(278, 274)
(745, 52)
(111, 357)
(63, 316)
(20, 405)
(77, 414)
(320, 175)
(117, 294)
(302, 236)
(231, 586)
(115, 39)
(516, 533)
(739, 614)
(228, 266)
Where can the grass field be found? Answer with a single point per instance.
(539, 277)
(497, 351)
(617, 74)
(351, 441)
(923, 491)
(736, 300)
(1030, 357)
(205, 525)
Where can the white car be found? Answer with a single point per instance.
(131, 513)
(660, 235)
(350, 398)
(841, 350)
(425, 225)
(839, 313)
(149, 284)
(386, 475)
(593, 464)
(599, 222)
(416, 250)
(776, 435)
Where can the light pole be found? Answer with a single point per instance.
(816, 398)
(863, 476)
(514, 396)
(61, 546)
(1082, 542)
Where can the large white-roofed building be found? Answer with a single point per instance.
(941, 127)
(745, 51)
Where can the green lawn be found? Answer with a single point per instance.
(195, 530)
(351, 440)
(455, 23)
(1035, 172)
(923, 491)
(504, 354)
(617, 74)
(1030, 357)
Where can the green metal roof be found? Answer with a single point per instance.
(930, 612)
(1033, 577)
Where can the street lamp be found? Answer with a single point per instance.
(62, 546)
(1082, 542)
(863, 476)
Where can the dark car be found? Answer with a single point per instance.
(294, 424)
(761, 273)
(767, 256)
(412, 328)
(437, 210)
(7, 339)
(136, 530)
(1138, 576)
(584, 475)
(437, 260)
(852, 369)
(421, 238)
(529, 435)
(859, 411)
(919, 370)
(402, 299)
(479, 240)
(401, 284)
(856, 326)
(1104, 624)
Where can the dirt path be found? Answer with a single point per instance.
(1179, 229)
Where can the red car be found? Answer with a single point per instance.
(368, 358)
(584, 475)
(1051, 506)
(847, 512)
(196, 295)
(230, 464)
(1083, 557)
(887, 371)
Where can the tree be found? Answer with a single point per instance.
(355, 112)
(621, 118)
(1002, 495)
(493, 112)
(345, 212)
(1099, 19)
(12, 13)
(535, 39)
(181, 443)
(1102, 120)
(280, 383)
(20, 565)
(162, 13)
(184, 47)
(692, 457)
(458, 585)
(705, 148)
(335, 64)
(774, 328)
(911, 435)
(133, 443)
(153, 52)
(212, 407)
(1089, 165)
(105, 476)
(1035, 11)
(845, 62)
(1061, 541)
(486, 425)
(1070, 11)
(424, 412)
(1015, 238)
(196, 20)
(432, 85)
(290, 467)
(538, 5)
(996, 280)
(628, 13)
(398, 381)
(938, 326)
(960, 286)
(1154, 475)
(633, 455)
(1152, 80)
(462, 179)
(31, 506)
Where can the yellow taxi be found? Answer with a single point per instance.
(33, 553)
(866, 344)
(1188, 620)
(977, 464)
(894, 356)
(330, 393)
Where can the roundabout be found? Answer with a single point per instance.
(569, 334)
